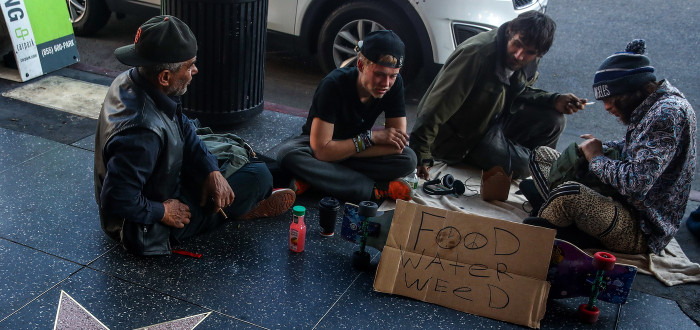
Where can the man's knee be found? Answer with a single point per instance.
(562, 204)
(290, 157)
(558, 122)
(297, 146)
(410, 161)
(535, 126)
(252, 176)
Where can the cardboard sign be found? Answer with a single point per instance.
(483, 266)
(42, 35)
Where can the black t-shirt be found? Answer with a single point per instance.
(336, 101)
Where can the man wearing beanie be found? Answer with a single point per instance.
(482, 109)
(653, 173)
(338, 153)
(155, 181)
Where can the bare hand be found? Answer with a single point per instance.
(217, 189)
(569, 103)
(390, 136)
(423, 172)
(592, 147)
(177, 214)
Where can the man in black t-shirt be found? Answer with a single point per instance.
(338, 153)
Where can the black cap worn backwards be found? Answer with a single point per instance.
(162, 39)
(383, 42)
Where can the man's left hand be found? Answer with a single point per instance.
(569, 103)
(592, 147)
(217, 188)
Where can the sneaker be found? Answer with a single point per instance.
(529, 190)
(299, 187)
(398, 189)
(279, 202)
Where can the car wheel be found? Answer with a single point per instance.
(88, 16)
(350, 23)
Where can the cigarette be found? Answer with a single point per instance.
(221, 211)
(589, 103)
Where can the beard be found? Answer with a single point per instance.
(626, 115)
(178, 90)
(627, 103)
(512, 63)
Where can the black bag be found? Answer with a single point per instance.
(146, 240)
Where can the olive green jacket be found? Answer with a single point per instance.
(465, 96)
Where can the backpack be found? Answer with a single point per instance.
(232, 151)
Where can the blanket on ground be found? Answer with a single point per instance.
(671, 267)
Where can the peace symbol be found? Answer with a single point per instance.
(475, 241)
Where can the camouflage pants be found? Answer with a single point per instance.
(572, 203)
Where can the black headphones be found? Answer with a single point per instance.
(449, 186)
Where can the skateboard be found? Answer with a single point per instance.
(364, 225)
(573, 273)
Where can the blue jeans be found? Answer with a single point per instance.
(251, 184)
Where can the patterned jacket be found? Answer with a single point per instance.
(657, 163)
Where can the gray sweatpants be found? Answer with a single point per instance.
(351, 179)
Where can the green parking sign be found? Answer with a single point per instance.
(42, 35)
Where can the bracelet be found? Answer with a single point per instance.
(357, 145)
(367, 138)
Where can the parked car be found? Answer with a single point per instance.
(431, 29)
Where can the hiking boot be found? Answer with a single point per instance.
(394, 190)
(279, 202)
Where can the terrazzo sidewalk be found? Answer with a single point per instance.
(58, 267)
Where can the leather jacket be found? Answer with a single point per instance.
(128, 106)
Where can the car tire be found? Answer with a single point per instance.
(89, 19)
(355, 20)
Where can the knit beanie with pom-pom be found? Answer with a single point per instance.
(623, 71)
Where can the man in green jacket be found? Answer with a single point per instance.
(482, 109)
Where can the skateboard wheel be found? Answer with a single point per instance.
(604, 261)
(368, 209)
(588, 315)
(360, 260)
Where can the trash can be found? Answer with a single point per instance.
(231, 37)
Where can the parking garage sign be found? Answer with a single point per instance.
(41, 34)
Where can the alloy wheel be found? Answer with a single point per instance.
(76, 9)
(347, 38)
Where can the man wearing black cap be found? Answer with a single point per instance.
(482, 109)
(652, 176)
(338, 153)
(155, 181)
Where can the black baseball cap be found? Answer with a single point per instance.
(383, 42)
(162, 39)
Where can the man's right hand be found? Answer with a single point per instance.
(390, 136)
(423, 172)
(177, 214)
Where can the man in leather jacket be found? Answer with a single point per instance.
(155, 181)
